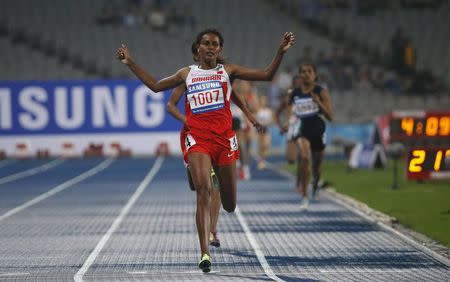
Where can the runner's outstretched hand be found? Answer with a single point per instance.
(123, 55)
(286, 42)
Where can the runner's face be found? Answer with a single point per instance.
(307, 74)
(209, 48)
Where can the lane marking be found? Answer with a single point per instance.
(58, 188)
(137, 272)
(172, 272)
(259, 254)
(148, 178)
(362, 271)
(15, 274)
(31, 171)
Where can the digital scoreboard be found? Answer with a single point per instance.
(426, 134)
(428, 163)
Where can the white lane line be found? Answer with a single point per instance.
(173, 272)
(362, 271)
(31, 171)
(14, 274)
(259, 254)
(137, 272)
(58, 188)
(6, 162)
(148, 178)
(249, 274)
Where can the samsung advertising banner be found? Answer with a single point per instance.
(46, 115)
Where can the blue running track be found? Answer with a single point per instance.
(134, 220)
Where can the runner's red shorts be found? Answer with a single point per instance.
(223, 150)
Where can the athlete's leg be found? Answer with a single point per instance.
(317, 158)
(291, 151)
(248, 133)
(260, 145)
(191, 184)
(262, 150)
(200, 168)
(214, 214)
(215, 208)
(215, 205)
(298, 179)
(266, 149)
(240, 139)
(227, 180)
(246, 152)
(304, 166)
(267, 142)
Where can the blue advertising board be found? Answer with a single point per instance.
(82, 107)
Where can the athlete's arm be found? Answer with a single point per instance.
(324, 102)
(174, 80)
(284, 128)
(239, 101)
(284, 105)
(241, 72)
(171, 106)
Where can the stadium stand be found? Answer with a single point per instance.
(427, 28)
(372, 27)
(52, 40)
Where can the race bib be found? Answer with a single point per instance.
(205, 97)
(304, 107)
(233, 143)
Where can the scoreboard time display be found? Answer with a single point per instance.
(427, 137)
(420, 125)
(428, 163)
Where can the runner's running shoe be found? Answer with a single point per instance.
(244, 173)
(214, 239)
(315, 193)
(305, 204)
(205, 263)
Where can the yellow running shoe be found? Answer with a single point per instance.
(205, 263)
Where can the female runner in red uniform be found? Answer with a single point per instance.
(172, 108)
(211, 141)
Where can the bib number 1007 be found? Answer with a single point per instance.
(206, 101)
(203, 98)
